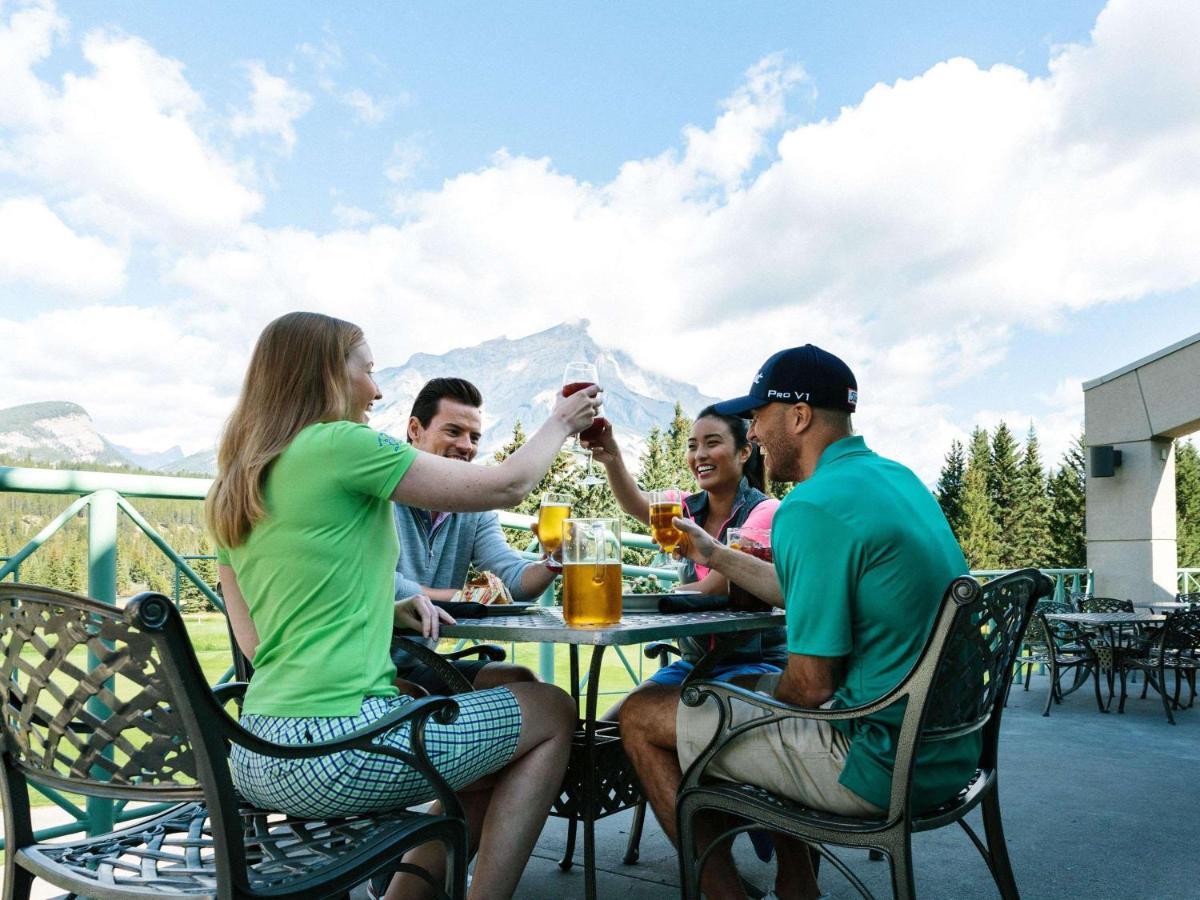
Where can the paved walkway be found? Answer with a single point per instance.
(1095, 806)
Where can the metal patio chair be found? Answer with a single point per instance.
(1062, 649)
(973, 645)
(1177, 649)
(143, 725)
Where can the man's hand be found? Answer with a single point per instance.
(697, 544)
(418, 613)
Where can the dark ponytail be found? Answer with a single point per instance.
(754, 471)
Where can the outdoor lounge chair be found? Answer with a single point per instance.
(141, 724)
(974, 642)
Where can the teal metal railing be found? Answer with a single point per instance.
(105, 497)
(1066, 581)
(1189, 581)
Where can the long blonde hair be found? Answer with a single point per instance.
(298, 375)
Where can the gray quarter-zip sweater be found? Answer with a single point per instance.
(439, 557)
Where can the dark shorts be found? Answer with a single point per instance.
(423, 675)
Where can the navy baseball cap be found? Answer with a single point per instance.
(805, 374)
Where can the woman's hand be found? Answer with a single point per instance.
(697, 544)
(579, 410)
(418, 613)
(604, 448)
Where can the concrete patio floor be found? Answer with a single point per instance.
(1096, 806)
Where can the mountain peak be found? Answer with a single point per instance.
(520, 378)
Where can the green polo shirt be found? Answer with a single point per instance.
(317, 573)
(864, 555)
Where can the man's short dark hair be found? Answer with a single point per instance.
(425, 406)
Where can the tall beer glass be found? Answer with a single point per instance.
(592, 571)
(552, 513)
(665, 505)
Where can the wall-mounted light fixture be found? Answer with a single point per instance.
(1105, 461)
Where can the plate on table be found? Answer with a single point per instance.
(465, 610)
(648, 603)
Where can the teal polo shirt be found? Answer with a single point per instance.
(864, 555)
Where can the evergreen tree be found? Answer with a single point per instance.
(1068, 537)
(950, 486)
(1029, 543)
(678, 434)
(1187, 504)
(979, 537)
(658, 470)
(1002, 486)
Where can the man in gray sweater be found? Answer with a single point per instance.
(437, 548)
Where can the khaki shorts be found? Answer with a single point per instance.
(800, 759)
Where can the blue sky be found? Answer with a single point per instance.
(978, 204)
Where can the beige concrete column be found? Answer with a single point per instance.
(1139, 409)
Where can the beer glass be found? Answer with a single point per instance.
(756, 542)
(576, 377)
(592, 571)
(665, 505)
(552, 512)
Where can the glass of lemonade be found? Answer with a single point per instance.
(554, 510)
(665, 505)
(592, 571)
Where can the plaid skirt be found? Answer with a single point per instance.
(480, 741)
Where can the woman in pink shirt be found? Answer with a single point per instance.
(729, 471)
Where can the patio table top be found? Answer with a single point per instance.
(1107, 618)
(546, 625)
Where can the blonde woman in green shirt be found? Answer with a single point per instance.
(301, 512)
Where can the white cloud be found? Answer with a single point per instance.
(406, 158)
(366, 107)
(914, 232)
(274, 107)
(124, 142)
(149, 378)
(37, 248)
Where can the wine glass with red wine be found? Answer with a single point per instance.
(576, 377)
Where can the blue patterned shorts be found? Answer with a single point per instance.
(480, 741)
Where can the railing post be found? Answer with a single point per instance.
(545, 650)
(102, 585)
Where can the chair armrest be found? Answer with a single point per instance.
(662, 650)
(724, 693)
(442, 709)
(492, 652)
(231, 690)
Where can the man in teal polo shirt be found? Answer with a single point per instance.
(863, 556)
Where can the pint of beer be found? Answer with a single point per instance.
(665, 505)
(551, 514)
(592, 571)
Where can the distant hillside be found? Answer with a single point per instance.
(55, 432)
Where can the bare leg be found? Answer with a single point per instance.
(794, 877)
(507, 810)
(648, 733)
(497, 674)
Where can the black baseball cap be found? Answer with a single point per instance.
(805, 374)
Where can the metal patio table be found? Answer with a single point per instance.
(1110, 625)
(599, 779)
